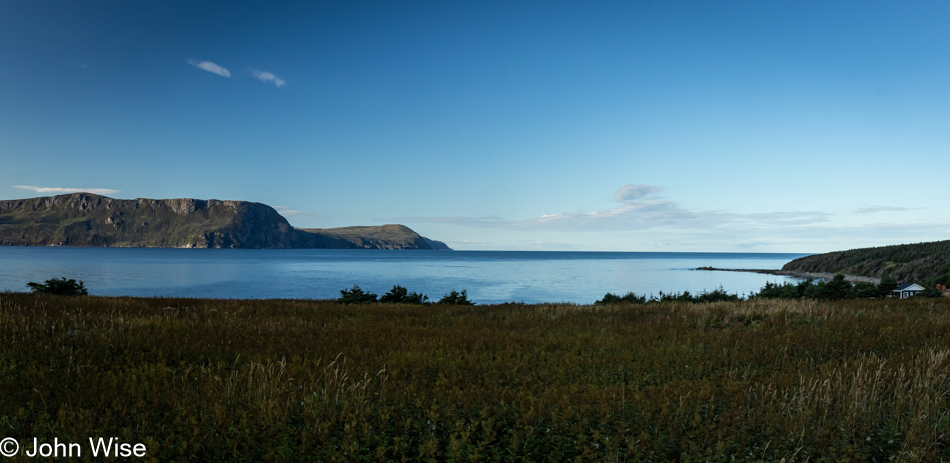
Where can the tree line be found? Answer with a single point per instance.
(400, 295)
(837, 288)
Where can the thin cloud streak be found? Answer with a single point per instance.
(875, 209)
(639, 209)
(634, 192)
(288, 212)
(478, 222)
(265, 77)
(210, 67)
(644, 217)
(45, 189)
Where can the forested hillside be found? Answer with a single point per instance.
(920, 262)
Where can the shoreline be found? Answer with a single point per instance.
(797, 274)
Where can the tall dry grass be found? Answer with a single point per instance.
(283, 380)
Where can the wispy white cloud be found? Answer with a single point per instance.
(635, 192)
(265, 77)
(46, 189)
(661, 224)
(288, 212)
(873, 209)
(480, 222)
(639, 209)
(210, 67)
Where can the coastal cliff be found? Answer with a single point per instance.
(85, 219)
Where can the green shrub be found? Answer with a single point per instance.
(685, 296)
(716, 295)
(400, 295)
(784, 290)
(59, 287)
(888, 284)
(629, 298)
(837, 288)
(355, 295)
(931, 292)
(456, 298)
(865, 291)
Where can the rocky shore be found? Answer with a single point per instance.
(797, 274)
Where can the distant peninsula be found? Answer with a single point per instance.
(924, 263)
(85, 219)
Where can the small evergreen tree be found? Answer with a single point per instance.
(685, 296)
(803, 286)
(400, 295)
(782, 291)
(416, 298)
(717, 295)
(864, 290)
(59, 287)
(355, 295)
(396, 295)
(456, 298)
(837, 288)
(887, 285)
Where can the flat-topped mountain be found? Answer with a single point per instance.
(85, 219)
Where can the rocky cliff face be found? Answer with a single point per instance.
(83, 219)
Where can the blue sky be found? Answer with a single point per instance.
(628, 126)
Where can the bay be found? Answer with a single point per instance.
(488, 276)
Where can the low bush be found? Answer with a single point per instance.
(629, 298)
(456, 298)
(355, 295)
(716, 295)
(931, 292)
(59, 287)
(401, 295)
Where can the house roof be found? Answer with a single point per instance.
(909, 287)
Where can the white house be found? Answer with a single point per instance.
(907, 290)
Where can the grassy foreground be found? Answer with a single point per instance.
(228, 380)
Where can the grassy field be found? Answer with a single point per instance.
(282, 380)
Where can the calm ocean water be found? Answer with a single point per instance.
(489, 276)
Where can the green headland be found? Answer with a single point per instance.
(924, 263)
